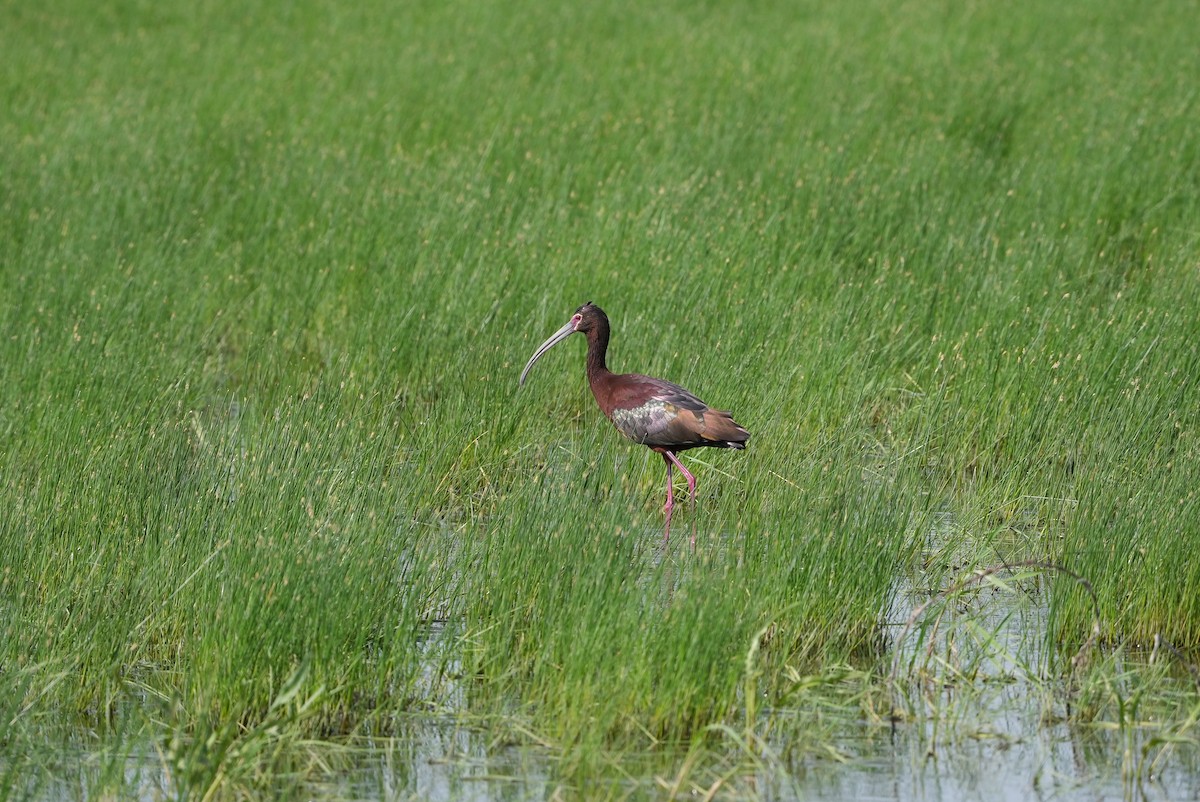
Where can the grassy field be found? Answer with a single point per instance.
(270, 272)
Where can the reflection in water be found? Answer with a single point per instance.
(442, 760)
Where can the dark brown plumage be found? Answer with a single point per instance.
(658, 414)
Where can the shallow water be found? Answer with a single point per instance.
(1048, 763)
(1008, 737)
(981, 718)
(1004, 735)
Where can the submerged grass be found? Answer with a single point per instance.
(271, 273)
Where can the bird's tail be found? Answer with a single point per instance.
(720, 427)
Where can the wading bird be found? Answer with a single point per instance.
(656, 413)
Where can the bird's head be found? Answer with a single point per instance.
(586, 318)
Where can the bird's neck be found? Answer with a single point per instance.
(597, 338)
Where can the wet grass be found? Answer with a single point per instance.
(270, 275)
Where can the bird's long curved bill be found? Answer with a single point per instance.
(555, 338)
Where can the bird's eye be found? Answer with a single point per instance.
(575, 319)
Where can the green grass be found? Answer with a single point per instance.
(271, 272)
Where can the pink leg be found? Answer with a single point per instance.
(691, 480)
(670, 500)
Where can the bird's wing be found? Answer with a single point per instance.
(661, 414)
(678, 396)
